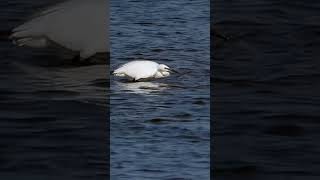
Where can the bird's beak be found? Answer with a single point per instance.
(174, 71)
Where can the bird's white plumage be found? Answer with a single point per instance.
(79, 25)
(143, 69)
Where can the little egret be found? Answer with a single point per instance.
(143, 70)
(78, 25)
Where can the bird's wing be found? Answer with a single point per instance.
(32, 32)
(138, 69)
(125, 66)
(75, 24)
(34, 26)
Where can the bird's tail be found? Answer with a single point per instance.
(117, 74)
(18, 39)
(27, 34)
(35, 42)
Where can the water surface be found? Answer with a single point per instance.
(160, 129)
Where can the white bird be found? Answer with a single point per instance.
(143, 70)
(78, 25)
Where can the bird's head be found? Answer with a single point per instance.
(165, 70)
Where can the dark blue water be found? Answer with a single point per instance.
(53, 114)
(266, 90)
(160, 129)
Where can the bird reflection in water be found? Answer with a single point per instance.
(148, 88)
